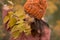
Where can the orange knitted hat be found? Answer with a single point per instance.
(35, 8)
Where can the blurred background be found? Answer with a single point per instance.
(52, 17)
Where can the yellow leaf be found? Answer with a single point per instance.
(19, 11)
(5, 19)
(10, 13)
(15, 34)
(11, 22)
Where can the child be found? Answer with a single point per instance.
(35, 9)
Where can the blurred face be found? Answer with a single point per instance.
(28, 18)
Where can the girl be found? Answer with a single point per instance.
(40, 30)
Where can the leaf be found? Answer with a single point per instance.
(19, 27)
(20, 22)
(19, 14)
(5, 19)
(27, 29)
(11, 22)
(17, 30)
(10, 13)
(17, 24)
(19, 11)
(15, 34)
